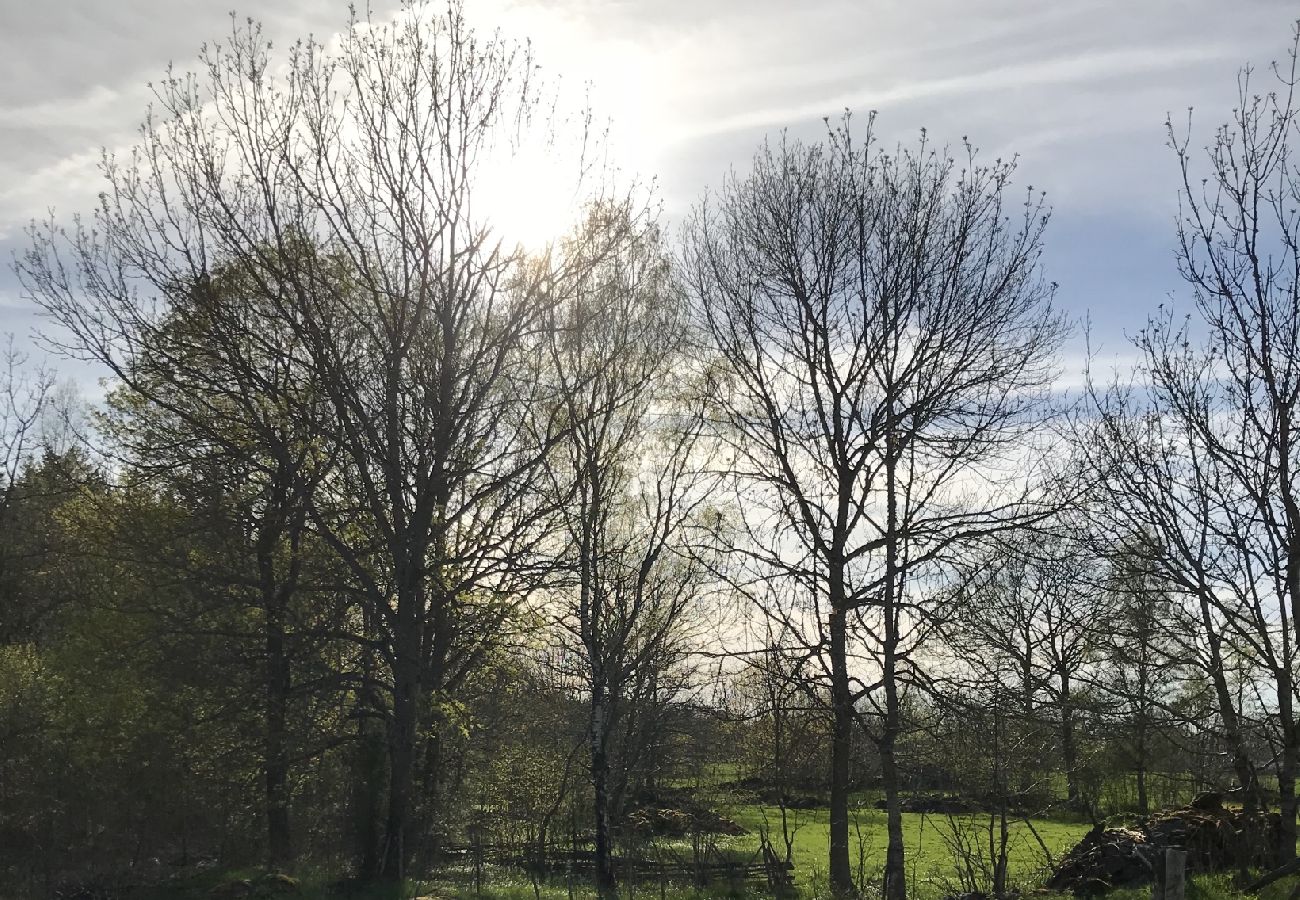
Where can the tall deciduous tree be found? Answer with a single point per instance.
(1144, 657)
(628, 471)
(212, 409)
(886, 338)
(1203, 453)
(345, 198)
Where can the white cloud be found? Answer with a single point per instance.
(1079, 90)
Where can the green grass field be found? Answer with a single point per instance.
(502, 884)
(932, 844)
(944, 855)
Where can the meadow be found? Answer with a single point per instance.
(938, 846)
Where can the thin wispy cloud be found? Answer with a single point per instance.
(1078, 91)
(1083, 68)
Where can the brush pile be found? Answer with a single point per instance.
(674, 813)
(1216, 838)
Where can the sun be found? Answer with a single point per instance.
(600, 117)
(529, 193)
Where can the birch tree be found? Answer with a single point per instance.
(628, 470)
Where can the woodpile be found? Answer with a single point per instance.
(1216, 838)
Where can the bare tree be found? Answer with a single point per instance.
(1163, 501)
(884, 339)
(1143, 661)
(628, 470)
(24, 399)
(345, 196)
(1026, 622)
(782, 714)
(23, 396)
(1202, 452)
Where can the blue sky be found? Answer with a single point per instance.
(1078, 89)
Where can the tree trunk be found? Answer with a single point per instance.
(1004, 842)
(1143, 716)
(1000, 792)
(369, 773)
(402, 752)
(1027, 713)
(780, 777)
(1144, 805)
(606, 884)
(279, 849)
(841, 873)
(424, 827)
(1290, 757)
(368, 797)
(1252, 798)
(1140, 753)
(1069, 752)
(275, 763)
(1286, 774)
(895, 887)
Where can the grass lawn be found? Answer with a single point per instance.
(930, 841)
(933, 860)
(505, 885)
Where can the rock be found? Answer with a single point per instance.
(89, 890)
(979, 895)
(669, 822)
(272, 884)
(938, 805)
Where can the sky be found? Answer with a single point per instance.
(1078, 91)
